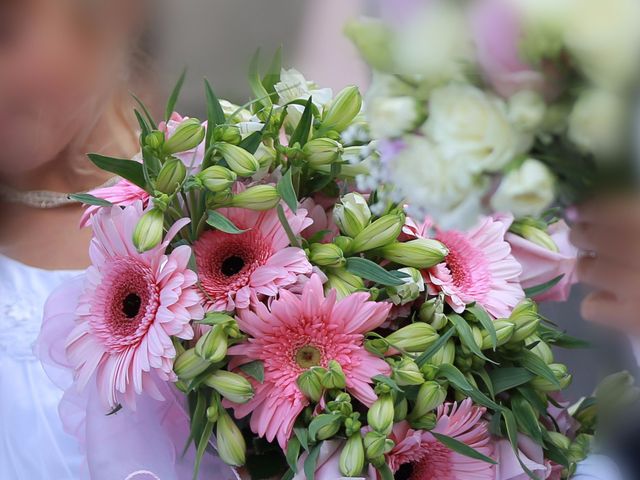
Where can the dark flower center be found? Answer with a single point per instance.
(131, 305)
(232, 265)
(308, 357)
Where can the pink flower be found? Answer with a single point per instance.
(430, 459)
(191, 158)
(123, 193)
(234, 268)
(300, 332)
(541, 265)
(530, 453)
(497, 31)
(479, 268)
(130, 307)
(322, 222)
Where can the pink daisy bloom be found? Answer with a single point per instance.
(234, 268)
(431, 460)
(479, 268)
(131, 305)
(300, 332)
(123, 193)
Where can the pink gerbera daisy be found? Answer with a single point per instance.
(428, 459)
(131, 306)
(234, 268)
(300, 332)
(123, 193)
(479, 268)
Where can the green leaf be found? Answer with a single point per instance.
(388, 382)
(302, 434)
(254, 369)
(543, 288)
(127, 169)
(215, 114)
(145, 128)
(173, 98)
(466, 335)
(311, 462)
(222, 223)
(252, 142)
(199, 416)
(456, 377)
(145, 110)
(486, 379)
(538, 402)
(371, 271)
(526, 418)
(293, 451)
(89, 199)
(256, 83)
(512, 434)
(320, 421)
(509, 377)
(485, 320)
(202, 446)
(287, 228)
(385, 472)
(462, 448)
(302, 131)
(272, 77)
(433, 349)
(536, 365)
(287, 192)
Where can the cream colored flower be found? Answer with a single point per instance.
(391, 117)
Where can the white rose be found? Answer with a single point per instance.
(445, 189)
(472, 126)
(604, 36)
(526, 191)
(596, 124)
(527, 110)
(391, 117)
(434, 43)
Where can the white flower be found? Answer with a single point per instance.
(604, 36)
(294, 86)
(527, 110)
(526, 191)
(434, 43)
(444, 188)
(390, 117)
(411, 288)
(472, 127)
(596, 124)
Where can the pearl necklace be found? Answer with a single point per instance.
(43, 199)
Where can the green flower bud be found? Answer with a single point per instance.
(414, 338)
(432, 312)
(421, 253)
(322, 151)
(526, 319)
(541, 349)
(265, 155)
(352, 425)
(380, 415)
(426, 422)
(189, 365)
(327, 430)
(149, 230)
(344, 243)
(400, 410)
(213, 411)
(504, 332)
(309, 383)
(217, 179)
(430, 396)
(326, 255)
(559, 440)
(334, 376)
(187, 136)
(352, 456)
(341, 405)
(154, 140)
(535, 235)
(377, 346)
(429, 371)
(231, 386)
(343, 110)
(580, 448)
(410, 290)
(227, 133)
(375, 444)
(383, 231)
(260, 197)
(407, 373)
(352, 215)
(345, 283)
(232, 448)
(562, 375)
(446, 355)
(212, 346)
(171, 176)
(238, 159)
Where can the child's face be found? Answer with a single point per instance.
(57, 64)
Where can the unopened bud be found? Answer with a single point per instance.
(383, 231)
(580, 448)
(343, 110)
(526, 319)
(432, 312)
(326, 255)
(430, 396)
(421, 253)
(562, 376)
(445, 355)
(539, 237)
(377, 346)
(559, 440)
(345, 283)
(189, 365)
(309, 383)
(265, 155)
(212, 346)
(414, 338)
(410, 290)
(231, 446)
(380, 415)
(406, 372)
(322, 151)
(238, 159)
(539, 348)
(171, 176)
(376, 445)
(400, 410)
(504, 332)
(227, 133)
(187, 136)
(344, 243)
(334, 376)
(260, 197)
(352, 215)
(352, 424)
(149, 230)
(231, 386)
(352, 456)
(426, 422)
(217, 179)
(213, 411)
(327, 430)
(154, 140)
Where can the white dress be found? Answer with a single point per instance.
(33, 445)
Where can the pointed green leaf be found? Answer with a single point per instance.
(254, 369)
(466, 336)
(512, 433)
(145, 110)
(215, 114)
(173, 98)
(526, 418)
(272, 77)
(536, 365)
(302, 131)
(433, 349)
(89, 199)
(371, 271)
(456, 377)
(252, 142)
(222, 223)
(302, 434)
(145, 128)
(311, 462)
(287, 192)
(462, 448)
(127, 169)
(485, 320)
(256, 83)
(293, 451)
(287, 228)
(545, 287)
(509, 377)
(385, 472)
(203, 442)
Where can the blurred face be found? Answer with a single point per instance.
(59, 62)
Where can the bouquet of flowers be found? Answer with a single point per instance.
(499, 105)
(240, 277)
